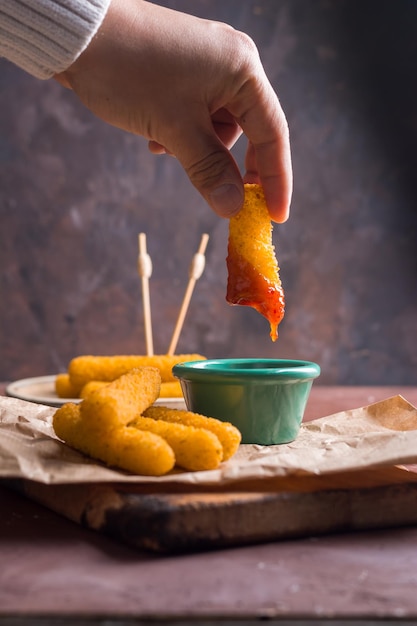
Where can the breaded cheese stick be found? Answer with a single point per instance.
(253, 272)
(121, 401)
(63, 386)
(195, 449)
(66, 421)
(130, 449)
(83, 369)
(228, 435)
(91, 387)
(168, 390)
(138, 451)
(171, 390)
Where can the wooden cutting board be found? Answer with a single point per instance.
(184, 520)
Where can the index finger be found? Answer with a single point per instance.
(268, 157)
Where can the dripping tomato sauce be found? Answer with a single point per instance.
(247, 287)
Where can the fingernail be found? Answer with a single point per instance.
(226, 200)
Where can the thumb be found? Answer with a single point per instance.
(213, 171)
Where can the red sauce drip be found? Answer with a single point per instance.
(247, 287)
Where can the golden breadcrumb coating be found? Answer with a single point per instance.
(228, 435)
(194, 448)
(119, 402)
(130, 449)
(91, 387)
(63, 386)
(83, 369)
(171, 390)
(168, 390)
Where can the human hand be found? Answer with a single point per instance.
(191, 87)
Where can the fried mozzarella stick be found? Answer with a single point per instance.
(171, 390)
(195, 449)
(228, 435)
(83, 369)
(63, 386)
(91, 387)
(168, 390)
(130, 449)
(118, 403)
(253, 272)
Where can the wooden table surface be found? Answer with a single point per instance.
(53, 571)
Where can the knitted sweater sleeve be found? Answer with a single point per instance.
(45, 37)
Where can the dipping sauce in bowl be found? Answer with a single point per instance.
(264, 398)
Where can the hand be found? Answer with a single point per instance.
(189, 86)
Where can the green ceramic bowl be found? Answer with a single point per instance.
(264, 398)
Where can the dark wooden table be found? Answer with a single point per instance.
(53, 571)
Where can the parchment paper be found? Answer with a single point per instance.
(380, 434)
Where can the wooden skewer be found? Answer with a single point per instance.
(196, 269)
(145, 272)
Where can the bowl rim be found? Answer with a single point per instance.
(287, 369)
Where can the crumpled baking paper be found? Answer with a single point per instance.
(380, 434)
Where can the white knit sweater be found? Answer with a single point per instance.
(44, 37)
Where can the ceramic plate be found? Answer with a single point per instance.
(41, 390)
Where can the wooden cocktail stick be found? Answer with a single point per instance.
(196, 269)
(145, 272)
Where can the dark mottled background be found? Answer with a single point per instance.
(75, 193)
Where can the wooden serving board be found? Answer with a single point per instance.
(188, 520)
